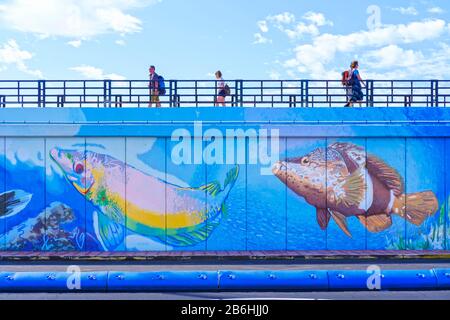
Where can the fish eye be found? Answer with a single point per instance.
(79, 168)
(305, 161)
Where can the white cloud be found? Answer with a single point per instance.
(317, 19)
(90, 72)
(260, 39)
(286, 22)
(433, 65)
(79, 19)
(393, 56)
(302, 29)
(436, 10)
(121, 42)
(312, 58)
(12, 54)
(407, 11)
(75, 43)
(282, 19)
(262, 25)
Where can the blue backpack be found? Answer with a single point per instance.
(161, 86)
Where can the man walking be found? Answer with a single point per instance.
(154, 87)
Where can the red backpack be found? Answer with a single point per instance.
(345, 76)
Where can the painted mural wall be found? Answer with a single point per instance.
(132, 194)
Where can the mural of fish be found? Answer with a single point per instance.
(12, 202)
(185, 220)
(341, 181)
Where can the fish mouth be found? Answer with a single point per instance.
(54, 155)
(279, 168)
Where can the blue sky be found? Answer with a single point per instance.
(191, 39)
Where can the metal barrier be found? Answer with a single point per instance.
(52, 281)
(244, 93)
(238, 280)
(163, 281)
(273, 280)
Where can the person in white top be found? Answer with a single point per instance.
(220, 99)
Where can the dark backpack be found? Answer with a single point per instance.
(227, 90)
(161, 86)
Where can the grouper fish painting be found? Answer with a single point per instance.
(342, 181)
(185, 221)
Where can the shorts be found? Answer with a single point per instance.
(222, 93)
(154, 97)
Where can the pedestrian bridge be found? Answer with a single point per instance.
(198, 93)
(84, 169)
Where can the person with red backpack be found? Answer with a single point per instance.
(355, 81)
(347, 86)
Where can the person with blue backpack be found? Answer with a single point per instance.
(156, 86)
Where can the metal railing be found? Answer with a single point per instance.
(244, 93)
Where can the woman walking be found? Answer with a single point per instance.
(355, 81)
(222, 92)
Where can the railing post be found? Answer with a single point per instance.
(407, 101)
(60, 101)
(235, 97)
(41, 93)
(301, 94)
(176, 98)
(306, 94)
(435, 92)
(2, 101)
(369, 93)
(241, 93)
(118, 101)
(107, 93)
(170, 93)
(292, 101)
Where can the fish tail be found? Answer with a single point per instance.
(231, 178)
(416, 207)
(12, 202)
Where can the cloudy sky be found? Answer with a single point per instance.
(246, 39)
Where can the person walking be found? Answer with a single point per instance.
(355, 81)
(153, 87)
(347, 86)
(220, 89)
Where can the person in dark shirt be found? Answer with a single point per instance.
(154, 87)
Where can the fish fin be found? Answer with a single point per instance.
(343, 149)
(416, 207)
(12, 202)
(212, 188)
(385, 174)
(323, 217)
(190, 236)
(352, 190)
(110, 234)
(186, 237)
(341, 221)
(376, 223)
